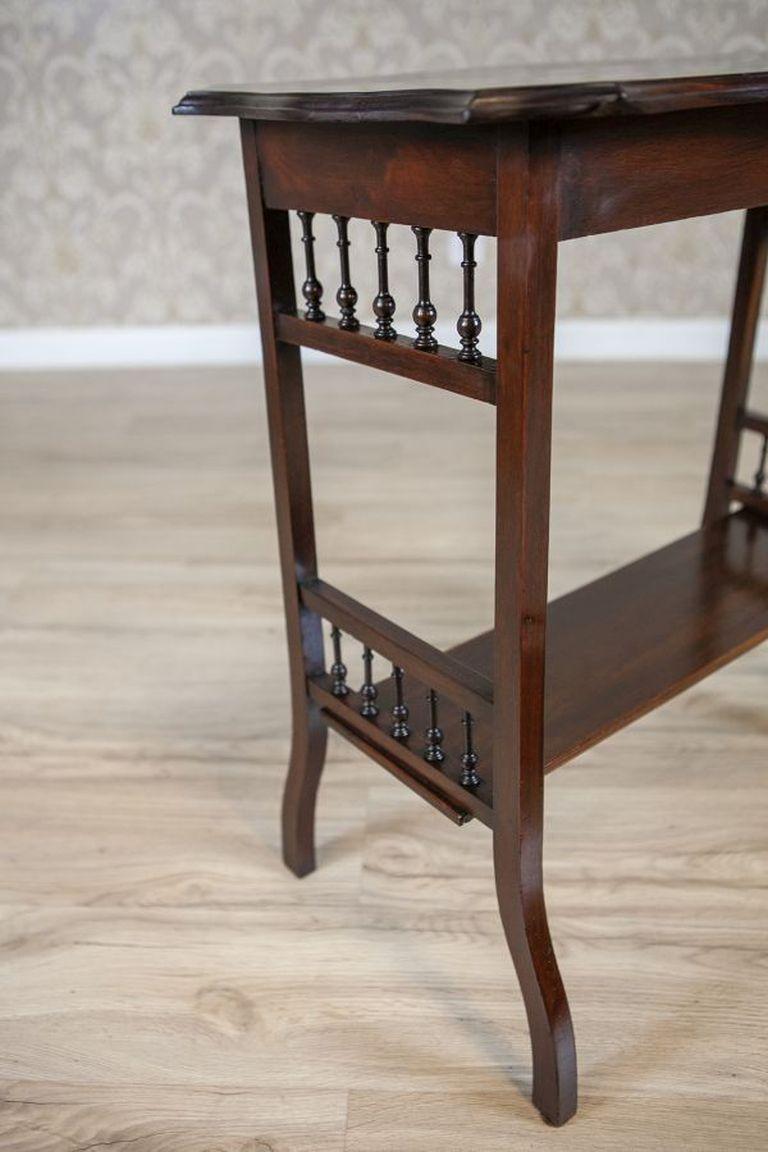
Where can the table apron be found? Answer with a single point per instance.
(616, 174)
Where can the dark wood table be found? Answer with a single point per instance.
(530, 155)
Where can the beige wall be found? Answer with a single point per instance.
(113, 212)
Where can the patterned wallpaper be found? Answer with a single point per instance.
(113, 212)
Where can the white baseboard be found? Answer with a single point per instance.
(646, 338)
(129, 347)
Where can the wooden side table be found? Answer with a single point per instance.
(531, 156)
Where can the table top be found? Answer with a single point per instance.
(492, 95)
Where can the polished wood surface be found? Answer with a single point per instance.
(399, 172)
(512, 92)
(470, 689)
(619, 173)
(614, 172)
(165, 984)
(627, 642)
(531, 157)
(616, 648)
(442, 781)
(539, 180)
(528, 214)
(286, 418)
(444, 369)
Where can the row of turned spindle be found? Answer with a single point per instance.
(468, 325)
(399, 729)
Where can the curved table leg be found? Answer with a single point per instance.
(524, 917)
(310, 737)
(527, 272)
(287, 423)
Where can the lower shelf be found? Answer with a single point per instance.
(622, 645)
(616, 649)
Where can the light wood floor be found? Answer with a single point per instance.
(165, 985)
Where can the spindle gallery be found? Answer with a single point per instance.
(468, 325)
(461, 762)
(552, 154)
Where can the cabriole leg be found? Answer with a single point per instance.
(520, 893)
(527, 262)
(286, 416)
(310, 736)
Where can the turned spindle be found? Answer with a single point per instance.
(383, 302)
(469, 324)
(759, 481)
(469, 777)
(311, 289)
(346, 297)
(338, 668)
(433, 753)
(399, 729)
(369, 691)
(425, 313)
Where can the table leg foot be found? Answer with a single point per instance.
(524, 917)
(310, 737)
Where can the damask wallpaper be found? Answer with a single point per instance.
(111, 211)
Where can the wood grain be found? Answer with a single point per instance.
(439, 177)
(518, 91)
(627, 642)
(165, 984)
(442, 368)
(629, 173)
